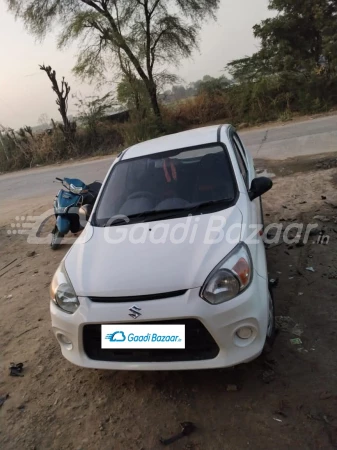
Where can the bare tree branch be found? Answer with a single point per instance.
(156, 3)
(61, 101)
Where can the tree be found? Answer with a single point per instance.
(213, 86)
(62, 94)
(131, 93)
(248, 69)
(296, 66)
(92, 109)
(146, 33)
(178, 92)
(302, 39)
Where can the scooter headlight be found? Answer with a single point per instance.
(229, 278)
(61, 209)
(62, 292)
(77, 189)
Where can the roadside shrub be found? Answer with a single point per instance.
(286, 116)
(139, 128)
(22, 151)
(105, 140)
(199, 110)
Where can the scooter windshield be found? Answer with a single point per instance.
(75, 185)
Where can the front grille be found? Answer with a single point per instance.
(199, 345)
(137, 298)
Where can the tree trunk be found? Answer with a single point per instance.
(152, 90)
(151, 85)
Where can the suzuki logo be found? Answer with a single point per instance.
(135, 312)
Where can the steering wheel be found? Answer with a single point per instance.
(141, 194)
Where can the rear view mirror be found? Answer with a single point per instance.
(259, 187)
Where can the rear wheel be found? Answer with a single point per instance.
(56, 239)
(271, 329)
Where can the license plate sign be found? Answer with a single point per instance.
(142, 336)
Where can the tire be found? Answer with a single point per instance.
(271, 330)
(56, 239)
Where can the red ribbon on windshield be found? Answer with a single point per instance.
(173, 170)
(167, 173)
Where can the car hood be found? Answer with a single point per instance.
(144, 262)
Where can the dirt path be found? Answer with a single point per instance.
(59, 406)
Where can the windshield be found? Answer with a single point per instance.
(75, 182)
(170, 184)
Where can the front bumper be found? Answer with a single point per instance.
(222, 321)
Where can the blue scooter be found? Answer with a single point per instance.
(67, 206)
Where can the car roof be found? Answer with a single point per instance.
(185, 139)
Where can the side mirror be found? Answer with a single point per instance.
(259, 187)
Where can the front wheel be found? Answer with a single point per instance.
(271, 330)
(56, 239)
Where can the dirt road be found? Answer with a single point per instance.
(286, 401)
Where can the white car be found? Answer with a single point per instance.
(170, 271)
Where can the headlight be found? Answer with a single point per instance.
(229, 278)
(62, 292)
(77, 189)
(61, 210)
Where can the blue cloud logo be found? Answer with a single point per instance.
(117, 336)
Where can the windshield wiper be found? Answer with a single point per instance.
(224, 201)
(161, 214)
(153, 214)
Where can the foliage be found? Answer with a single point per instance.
(199, 110)
(296, 68)
(91, 110)
(132, 94)
(301, 39)
(213, 86)
(139, 129)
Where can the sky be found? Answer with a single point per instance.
(25, 91)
